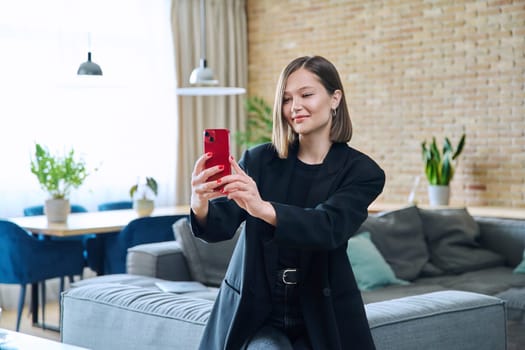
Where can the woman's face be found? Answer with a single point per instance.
(307, 106)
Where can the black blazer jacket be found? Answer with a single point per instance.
(347, 182)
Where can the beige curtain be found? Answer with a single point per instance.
(226, 54)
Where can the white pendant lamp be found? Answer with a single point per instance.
(202, 78)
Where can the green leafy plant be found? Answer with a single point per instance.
(57, 174)
(259, 124)
(144, 189)
(440, 166)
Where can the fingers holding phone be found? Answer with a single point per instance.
(205, 179)
(202, 189)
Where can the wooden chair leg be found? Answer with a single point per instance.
(21, 301)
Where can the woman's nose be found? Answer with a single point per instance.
(296, 106)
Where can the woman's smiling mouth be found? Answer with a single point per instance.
(299, 118)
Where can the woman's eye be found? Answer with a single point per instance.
(286, 100)
(307, 94)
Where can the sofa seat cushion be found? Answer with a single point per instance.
(143, 282)
(399, 291)
(398, 235)
(452, 241)
(489, 281)
(120, 278)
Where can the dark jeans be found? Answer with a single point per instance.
(285, 329)
(272, 338)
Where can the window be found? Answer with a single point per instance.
(122, 123)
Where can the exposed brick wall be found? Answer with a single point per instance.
(413, 70)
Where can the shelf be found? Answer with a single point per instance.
(496, 212)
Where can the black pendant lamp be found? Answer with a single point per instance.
(89, 67)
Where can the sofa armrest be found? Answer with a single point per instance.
(503, 236)
(114, 316)
(163, 260)
(452, 320)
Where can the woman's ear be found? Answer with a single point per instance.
(336, 99)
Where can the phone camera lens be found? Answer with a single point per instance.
(206, 134)
(212, 139)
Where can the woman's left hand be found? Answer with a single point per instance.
(243, 190)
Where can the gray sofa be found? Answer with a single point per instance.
(433, 309)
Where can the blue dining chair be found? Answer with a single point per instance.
(39, 210)
(149, 229)
(75, 208)
(95, 245)
(26, 259)
(118, 205)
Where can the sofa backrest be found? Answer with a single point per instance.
(207, 262)
(430, 242)
(504, 236)
(148, 229)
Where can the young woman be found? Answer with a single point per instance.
(289, 284)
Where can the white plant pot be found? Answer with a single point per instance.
(57, 210)
(438, 195)
(144, 207)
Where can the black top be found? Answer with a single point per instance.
(303, 178)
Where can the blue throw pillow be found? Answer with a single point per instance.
(521, 267)
(370, 268)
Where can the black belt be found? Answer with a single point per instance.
(288, 276)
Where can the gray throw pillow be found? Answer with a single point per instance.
(207, 262)
(398, 235)
(451, 235)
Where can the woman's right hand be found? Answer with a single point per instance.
(202, 190)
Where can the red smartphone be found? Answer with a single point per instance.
(217, 141)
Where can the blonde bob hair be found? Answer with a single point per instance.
(283, 135)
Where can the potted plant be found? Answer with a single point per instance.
(440, 168)
(57, 175)
(142, 194)
(259, 124)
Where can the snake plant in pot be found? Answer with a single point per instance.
(440, 167)
(142, 194)
(58, 175)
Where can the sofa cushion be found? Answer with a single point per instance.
(207, 262)
(370, 269)
(451, 235)
(398, 235)
(449, 320)
(521, 267)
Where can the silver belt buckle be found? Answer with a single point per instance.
(284, 276)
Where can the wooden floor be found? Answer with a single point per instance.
(8, 321)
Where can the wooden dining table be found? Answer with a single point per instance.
(97, 222)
